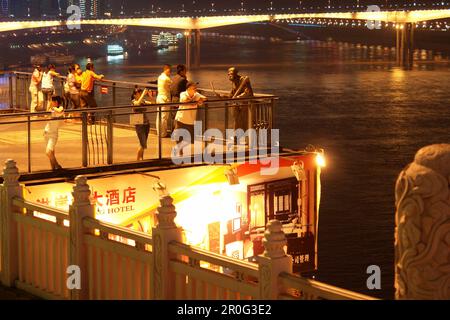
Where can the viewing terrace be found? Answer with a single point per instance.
(112, 140)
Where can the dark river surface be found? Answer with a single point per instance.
(369, 115)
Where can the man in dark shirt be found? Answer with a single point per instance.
(179, 83)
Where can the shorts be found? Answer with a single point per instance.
(142, 131)
(50, 141)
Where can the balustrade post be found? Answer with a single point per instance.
(80, 208)
(10, 189)
(11, 91)
(273, 262)
(422, 233)
(165, 231)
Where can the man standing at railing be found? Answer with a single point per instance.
(37, 98)
(186, 116)
(164, 96)
(87, 97)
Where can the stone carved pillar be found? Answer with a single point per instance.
(273, 261)
(11, 188)
(165, 231)
(80, 209)
(422, 237)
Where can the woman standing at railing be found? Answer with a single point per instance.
(74, 82)
(35, 89)
(48, 88)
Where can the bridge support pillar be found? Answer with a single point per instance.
(192, 48)
(197, 43)
(405, 45)
(188, 37)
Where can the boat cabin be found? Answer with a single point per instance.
(221, 208)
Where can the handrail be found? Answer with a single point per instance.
(247, 268)
(320, 289)
(139, 237)
(58, 214)
(140, 84)
(153, 105)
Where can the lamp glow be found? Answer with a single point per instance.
(320, 160)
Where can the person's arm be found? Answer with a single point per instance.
(71, 80)
(200, 99)
(97, 76)
(247, 93)
(54, 73)
(142, 97)
(37, 76)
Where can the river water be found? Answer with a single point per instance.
(369, 115)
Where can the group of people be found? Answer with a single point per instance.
(170, 90)
(179, 89)
(79, 93)
(78, 87)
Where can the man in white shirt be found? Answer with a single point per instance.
(37, 98)
(164, 84)
(187, 113)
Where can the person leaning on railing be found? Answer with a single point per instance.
(87, 96)
(186, 116)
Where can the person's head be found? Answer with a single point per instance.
(137, 93)
(233, 73)
(51, 67)
(76, 69)
(191, 88)
(70, 70)
(90, 66)
(57, 102)
(38, 67)
(181, 70)
(166, 69)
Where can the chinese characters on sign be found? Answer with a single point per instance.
(115, 200)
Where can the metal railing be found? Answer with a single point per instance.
(110, 138)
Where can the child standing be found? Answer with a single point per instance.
(51, 131)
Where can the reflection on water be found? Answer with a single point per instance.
(370, 116)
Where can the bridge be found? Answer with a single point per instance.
(404, 20)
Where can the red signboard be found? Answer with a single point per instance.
(104, 90)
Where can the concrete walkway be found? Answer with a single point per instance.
(14, 145)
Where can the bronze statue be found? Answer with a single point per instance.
(241, 88)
